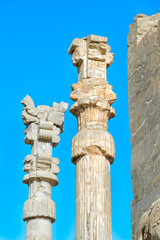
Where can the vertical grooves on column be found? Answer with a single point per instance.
(93, 97)
(93, 222)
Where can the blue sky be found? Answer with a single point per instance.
(34, 39)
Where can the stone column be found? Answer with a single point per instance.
(93, 147)
(44, 124)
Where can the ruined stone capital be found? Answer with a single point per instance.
(93, 147)
(93, 97)
(44, 124)
(91, 55)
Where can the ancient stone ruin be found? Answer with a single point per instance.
(144, 118)
(93, 147)
(44, 124)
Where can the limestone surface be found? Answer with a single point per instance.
(93, 147)
(43, 126)
(144, 118)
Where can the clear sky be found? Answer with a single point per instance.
(34, 39)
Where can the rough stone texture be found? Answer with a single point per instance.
(149, 226)
(144, 118)
(44, 124)
(93, 147)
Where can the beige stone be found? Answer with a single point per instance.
(144, 119)
(93, 147)
(149, 225)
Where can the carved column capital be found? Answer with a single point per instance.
(93, 97)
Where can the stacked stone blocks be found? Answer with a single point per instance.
(144, 114)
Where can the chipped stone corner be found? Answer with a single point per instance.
(142, 25)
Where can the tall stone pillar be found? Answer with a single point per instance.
(44, 124)
(93, 147)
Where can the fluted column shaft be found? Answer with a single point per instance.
(39, 225)
(93, 198)
(39, 229)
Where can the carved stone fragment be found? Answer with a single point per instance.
(149, 226)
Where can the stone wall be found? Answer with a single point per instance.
(144, 119)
